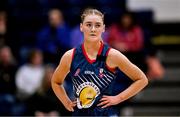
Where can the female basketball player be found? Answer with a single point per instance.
(92, 66)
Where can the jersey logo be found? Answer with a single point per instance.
(87, 92)
(77, 72)
(101, 72)
(89, 72)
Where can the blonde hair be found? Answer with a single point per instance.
(91, 11)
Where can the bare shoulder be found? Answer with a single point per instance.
(115, 57)
(67, 57)
(64, 67)
(69, 53)
(114, 54)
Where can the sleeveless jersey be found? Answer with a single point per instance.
(91, 78)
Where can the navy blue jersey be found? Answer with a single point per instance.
(91, 78)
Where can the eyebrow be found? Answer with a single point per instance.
(91, 22)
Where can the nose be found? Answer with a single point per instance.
(93, 28)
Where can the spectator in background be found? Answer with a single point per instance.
(29, 76)
(128, 37)
(2, 28)
(54, 37)
(8, 68)
(43, 102)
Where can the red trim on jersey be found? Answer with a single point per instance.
(108, 51)
(108, 67)
(111, 69)
(74, 49)
(101, 48)
(86, 56)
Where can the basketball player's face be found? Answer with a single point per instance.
(92, 27)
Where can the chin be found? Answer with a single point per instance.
(94, 39)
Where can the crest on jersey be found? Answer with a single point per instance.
(101, 72)
(87, 92)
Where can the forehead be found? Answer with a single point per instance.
(93, 18)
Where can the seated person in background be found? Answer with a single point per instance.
(8, 68)
(43, 102)
(54, 37)
(29, 76)
(128, 37)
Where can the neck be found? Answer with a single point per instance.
(92, 48)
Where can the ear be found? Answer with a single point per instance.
(81, 27)
(104, 28)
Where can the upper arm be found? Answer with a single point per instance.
(63, 68)
(118, 60)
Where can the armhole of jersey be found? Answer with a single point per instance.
(74, 49)
(108, 67)
(73, 53)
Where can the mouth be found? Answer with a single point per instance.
(93, 35)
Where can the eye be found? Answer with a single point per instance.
(88, 25)
(98, 25)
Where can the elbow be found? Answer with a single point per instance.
(55, 82)
(146, 81)
(52, 82)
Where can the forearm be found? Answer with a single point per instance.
(132, 90)
(60, 93)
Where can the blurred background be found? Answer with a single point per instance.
(34, 34)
